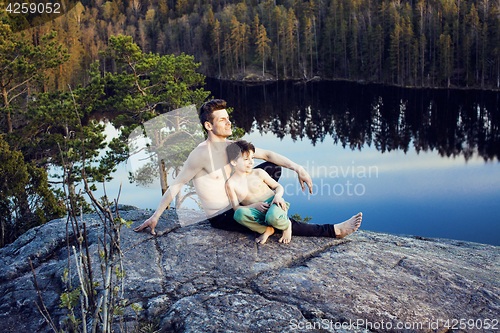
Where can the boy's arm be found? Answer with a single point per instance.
(281, 160)
(277, 188)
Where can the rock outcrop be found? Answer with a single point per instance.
(193, 278)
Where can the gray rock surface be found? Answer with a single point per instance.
(193, 278)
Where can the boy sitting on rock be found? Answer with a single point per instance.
(255, 205)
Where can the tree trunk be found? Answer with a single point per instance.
(2, 240)
(9, 122)
(178, 201)
(6, 106)
(163, 179)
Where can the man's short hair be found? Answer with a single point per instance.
(237, 147)
(208, 108)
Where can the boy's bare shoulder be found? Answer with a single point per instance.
(259, 172)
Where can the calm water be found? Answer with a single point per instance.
(419, 162)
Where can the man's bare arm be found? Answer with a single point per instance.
(281, 160)
(192, 166)
(233, 198)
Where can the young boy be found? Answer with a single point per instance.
(256, 197)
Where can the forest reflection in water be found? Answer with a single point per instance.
(434, 153)
(453, 122)
(425, 161)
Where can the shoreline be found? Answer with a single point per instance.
(249, 82)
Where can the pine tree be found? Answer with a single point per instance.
(276, 18)
(342, 47)
(255, 27)
(380, 51)
(474, 32)
(172, 84)
(263, 48)
(244, 37)
(423, 44)
(291, 41)
(308, 40)
(496, 44)
(483, 55)
(446, 57)
(236, 40)
(181, 7)
(26, 199)
(24, 64)
(163, 10)
(353, 48)
(395, 53)
(216, 40)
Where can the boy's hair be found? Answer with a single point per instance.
(237, 147)
(208, 108)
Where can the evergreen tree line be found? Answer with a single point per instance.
(410, 43)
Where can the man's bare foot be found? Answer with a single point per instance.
(287, 235)
(348, 227)
(263, 237)
(151, 223)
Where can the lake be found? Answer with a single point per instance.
(415, 161)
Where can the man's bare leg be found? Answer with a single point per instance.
(348, 227)
(287, 234)
(263, 237)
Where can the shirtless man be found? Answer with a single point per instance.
(209, 168)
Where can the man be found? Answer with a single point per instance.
(209, 168)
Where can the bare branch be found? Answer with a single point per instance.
(50, 322)
(10, 63)
(20, 84)
(10, 100)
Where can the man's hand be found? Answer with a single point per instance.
(151, 223)
(279, 201)
(261, 206)
(304, 178)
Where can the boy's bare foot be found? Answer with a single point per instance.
(151, 223)
(263, 237)
(348, 227)
(287, 235)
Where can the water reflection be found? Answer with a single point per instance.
(452, 122)
(426, 194)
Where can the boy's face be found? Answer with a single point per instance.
(244, 162)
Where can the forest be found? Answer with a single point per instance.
(416, 43)
(140, 58)
(133, 61)
(53, 149)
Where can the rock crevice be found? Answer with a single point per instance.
(193, 278)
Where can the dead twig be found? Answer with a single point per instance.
(47, 317)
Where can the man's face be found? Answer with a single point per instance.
(221, 125)
(245, 162)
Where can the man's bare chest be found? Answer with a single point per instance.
(210, 173)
